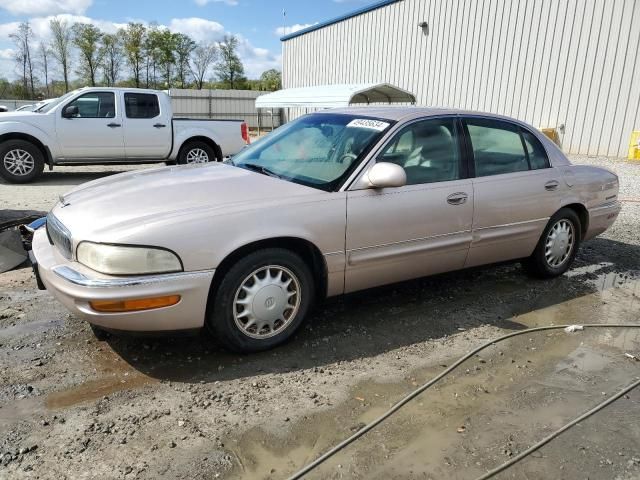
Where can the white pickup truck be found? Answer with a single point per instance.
(96, 126)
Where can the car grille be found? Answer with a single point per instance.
(59, 235)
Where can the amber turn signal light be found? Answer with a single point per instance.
(115, 306)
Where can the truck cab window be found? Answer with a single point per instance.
(141, 105)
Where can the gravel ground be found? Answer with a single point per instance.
(73, 406)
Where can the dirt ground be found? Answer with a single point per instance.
(73, 406)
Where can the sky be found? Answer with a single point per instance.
(259, 24)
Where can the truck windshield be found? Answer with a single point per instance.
(318, 150)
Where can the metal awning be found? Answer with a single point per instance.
(332, 96)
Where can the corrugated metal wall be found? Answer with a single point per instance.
(548, 62)
(222, 104)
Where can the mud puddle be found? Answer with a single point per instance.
(114, 375)
(489, 409)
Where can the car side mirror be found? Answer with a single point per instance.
(70, 111)
(386, 175)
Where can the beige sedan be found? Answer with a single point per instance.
(333, 202)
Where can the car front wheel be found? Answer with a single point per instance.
(261, 301)
(557, 247)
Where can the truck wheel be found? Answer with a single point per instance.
(20, 161)
(196, 152)
(261, 301)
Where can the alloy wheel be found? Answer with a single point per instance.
(19, 162)
(197, 155)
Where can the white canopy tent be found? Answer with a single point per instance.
(333, 96)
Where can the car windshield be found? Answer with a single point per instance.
(317, 150)
(56, 101)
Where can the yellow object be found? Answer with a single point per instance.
(634, 145)
(552, 133)
(112, 306)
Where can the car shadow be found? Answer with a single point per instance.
(365, 324)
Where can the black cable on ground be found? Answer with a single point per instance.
(311, 466)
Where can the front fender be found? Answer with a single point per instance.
(7, 129)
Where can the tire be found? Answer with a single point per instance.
(20, 161)
(196, 152)
(236, 325)
(552, 260)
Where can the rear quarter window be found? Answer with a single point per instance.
(537, 154)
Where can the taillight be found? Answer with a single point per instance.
(244, 130)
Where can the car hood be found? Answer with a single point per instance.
(19, 116)
(118, 207)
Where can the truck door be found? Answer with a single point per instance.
(94, 131)
(147, 133)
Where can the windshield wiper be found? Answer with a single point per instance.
(260, 169)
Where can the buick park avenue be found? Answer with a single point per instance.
(333, 202)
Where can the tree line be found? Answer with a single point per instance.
(135, 56)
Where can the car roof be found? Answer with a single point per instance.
(122, 89)
(397, 113)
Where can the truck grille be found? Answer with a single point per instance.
(59, 235)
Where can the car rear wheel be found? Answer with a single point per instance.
(557, 247)
(20, 161)
(261, 301)
(196, 152)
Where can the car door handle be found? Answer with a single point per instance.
(457, 198)
(113, 125)
(159, 125)
(551, 185)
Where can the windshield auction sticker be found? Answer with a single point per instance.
(368, 123)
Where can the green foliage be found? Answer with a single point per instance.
(112, 53)
(229, 68)
(271, 80)
(133, 42)
(87, 38)
(61, 46)
(153, 56)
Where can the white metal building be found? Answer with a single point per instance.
(548, 62)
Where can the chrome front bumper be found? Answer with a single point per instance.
(75, 286)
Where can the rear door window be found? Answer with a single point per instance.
(141, 105)
(497, 147)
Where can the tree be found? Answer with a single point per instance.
(87, 38)
(271, 80)
(151, 53)
(184, 45)
(112, 57)
(229, 68)
(204, 55)
(22, 39)
(165, 45)
(44, 52)
(61, 46)
(133, 40)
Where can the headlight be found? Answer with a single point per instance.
(125, 260)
